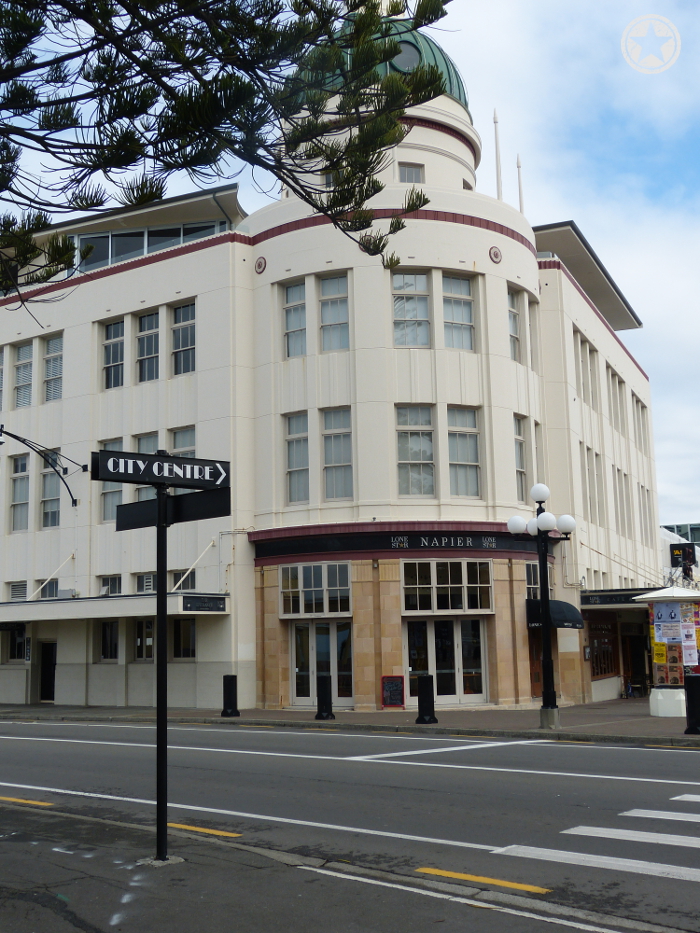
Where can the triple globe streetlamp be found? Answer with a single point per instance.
(539, 527)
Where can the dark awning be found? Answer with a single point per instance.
(564, 615)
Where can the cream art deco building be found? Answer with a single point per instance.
(381, 426)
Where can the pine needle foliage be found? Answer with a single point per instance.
(102, 101)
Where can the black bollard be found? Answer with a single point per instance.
(324, 697)
(230, 696)
(426, 699)
(692, 704)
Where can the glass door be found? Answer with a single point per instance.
(322, 649)
(450, 650)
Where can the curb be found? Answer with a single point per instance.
(661, 741)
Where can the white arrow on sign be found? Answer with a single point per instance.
(223, 474)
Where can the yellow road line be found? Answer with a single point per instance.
(34, 803)
(502, 884)
(201, 829)
(245, 725)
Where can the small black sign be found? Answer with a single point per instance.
(159, 470)
(193, 507)
(203, 603)
(392, 691)
(11, 626)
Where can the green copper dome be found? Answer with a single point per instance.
(419, 49)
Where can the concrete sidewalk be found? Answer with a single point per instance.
(619, 721)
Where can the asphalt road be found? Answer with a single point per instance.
(598, 828)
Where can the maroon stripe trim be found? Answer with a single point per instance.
(559, 265)
(440, 128)
(230, 237)
(345, 528)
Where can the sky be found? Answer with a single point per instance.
(615, 150)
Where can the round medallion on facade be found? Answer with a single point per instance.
(495, 254)
(260, 264)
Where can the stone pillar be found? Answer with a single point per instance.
(275, 649)
(390, 618)
(507, 643)
(363, 625)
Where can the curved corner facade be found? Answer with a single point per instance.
(382, 426)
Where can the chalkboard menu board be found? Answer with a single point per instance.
(392, 691)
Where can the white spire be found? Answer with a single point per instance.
(520, 186)
(499, 186)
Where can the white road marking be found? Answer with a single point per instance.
(574, 774)
(366, 760)
(632, 835)
(577, 925)
(259, 816)
(635, 866)
(664, 815)
(691, 798)
(434, 751)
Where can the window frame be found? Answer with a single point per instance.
(184, 356)
(49, 477)
(453, 326)
(112, 369)
(54, 358)
(20, 506)
(329, 582)
(399, 294)
(331, 328)
(109, 640)
(521, 465)
(110, 489)
(297, 333)
(148, 347)
(403, 463)
(296, 469)
(25, 367)
(141, 651)
(178, 649)
(411, 168)
(332, 467)
(514, 325)
(473, 467)
(434, 585)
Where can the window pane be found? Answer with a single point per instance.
(99, 255)
(127, 245)
(163, 238)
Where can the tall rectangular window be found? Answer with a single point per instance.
(146, 444)
(295, 320)
(23, 375)
(53, 369)
(520, 458)
(2, 373)
(49, 590)
(617, 401)
(17, 644)
(514, 325)
(334, 313)
(50, 495)
(183, 446)
(111, 491)
(143, 640)
(20, 493)
(109, 640)
(298, 457)
(337, 453)
(147, 347)
(411, 313)
(411, 173)
(458, 312)
(463, 440)
(114, 355)
(415, 449)
(184, 638)
(436, 586)
(183, 339)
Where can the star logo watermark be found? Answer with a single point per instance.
(651, 44)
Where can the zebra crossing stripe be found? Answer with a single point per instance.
(691, 798)
(633, 835)
(663, 815)
(634, 866)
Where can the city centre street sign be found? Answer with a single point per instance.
(160, 470)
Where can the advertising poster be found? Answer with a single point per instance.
(659, 653)
(675, 674)
(661, 673)
(690, 654)
(674, 654)
(667, 612)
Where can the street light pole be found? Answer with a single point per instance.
(539, 528)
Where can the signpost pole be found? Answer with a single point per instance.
(162, 675)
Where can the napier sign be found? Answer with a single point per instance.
(160, 470)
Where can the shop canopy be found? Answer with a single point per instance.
(564, 615)
(668, 595)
